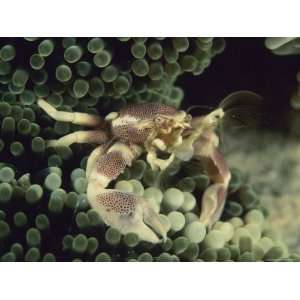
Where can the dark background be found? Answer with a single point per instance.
(246, 64)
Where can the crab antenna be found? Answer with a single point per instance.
(199, 106)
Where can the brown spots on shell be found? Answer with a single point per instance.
(121, 131)
(118, 202)
(148, 110)
(111, 164)
(138, 135)
(132, 134)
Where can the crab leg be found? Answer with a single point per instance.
(93, 158)
(121, 210)
(73, 117)
(91, 136)
(213, 200)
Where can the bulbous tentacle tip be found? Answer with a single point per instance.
(185, 151)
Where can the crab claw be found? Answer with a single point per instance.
(214, 197)
(213, 203)
(157, 163)
(129, 213)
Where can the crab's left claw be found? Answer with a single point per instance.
(121, 210)
(128, 213)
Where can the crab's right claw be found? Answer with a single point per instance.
(214, 197)
(129, 213)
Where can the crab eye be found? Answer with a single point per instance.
(159, 120)
(188, 118)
